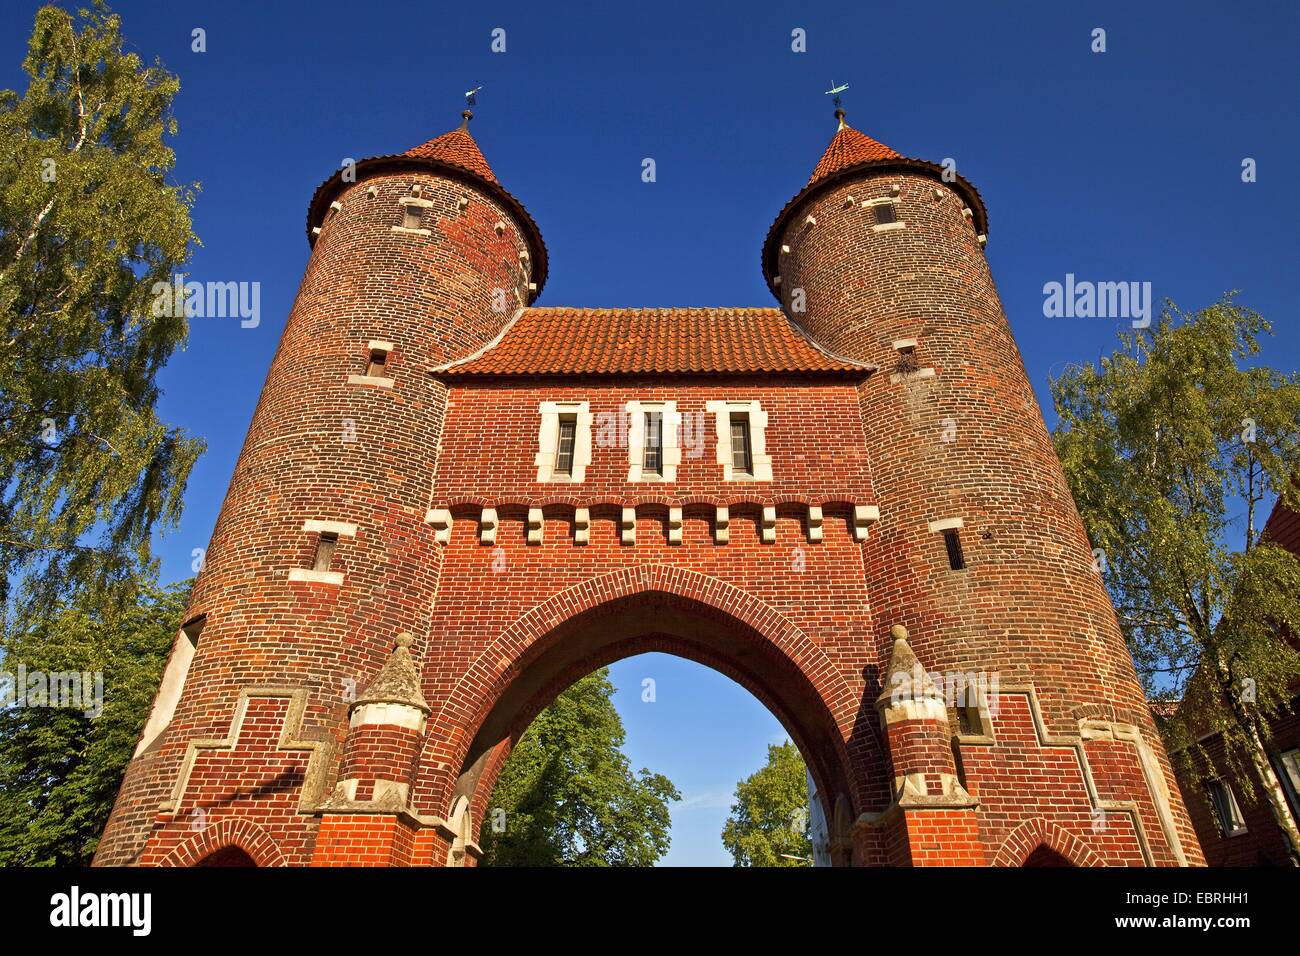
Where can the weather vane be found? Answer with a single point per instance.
(835, 91)
(470, 96)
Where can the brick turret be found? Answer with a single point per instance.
(322, 551)
(881, 259)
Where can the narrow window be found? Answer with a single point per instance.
(378, 363)
(952, 540)
(885, 213)
(741, 459)
(173, 682)
(325, 547)
(653, 462)
(1225, 807)
(969, 723)
(1288, 767)
(413, 217)
(564, 446)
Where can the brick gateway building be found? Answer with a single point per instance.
(451, 504)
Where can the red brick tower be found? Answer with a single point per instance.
(322, 555)
(980, 550)
(452, 504)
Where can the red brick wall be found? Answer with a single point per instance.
(500, 629)
(322, 448)
(968, 442)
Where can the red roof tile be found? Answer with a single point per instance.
(574, 341)
(848, 148)
(457, 148)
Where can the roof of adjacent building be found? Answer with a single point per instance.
(687, 341)
(851, 152)
(454, 153)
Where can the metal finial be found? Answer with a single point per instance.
(835, 91)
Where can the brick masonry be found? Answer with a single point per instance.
(792, 601)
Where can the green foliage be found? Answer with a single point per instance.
(568, 795)
(59, 769)
(769, 822)
(1171, 447)
(88, 224)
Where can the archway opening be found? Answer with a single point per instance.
(227, 856)
(660, 623)
(1044, 855)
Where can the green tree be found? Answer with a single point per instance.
(1171, 445)
(88, 224)
(567, 795)
(60, 768)
(769, 823)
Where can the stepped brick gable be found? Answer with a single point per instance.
(452, 503)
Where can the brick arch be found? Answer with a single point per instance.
(1036, 832)
(479, 689)
(243, 834)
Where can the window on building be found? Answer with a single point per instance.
(886, 213)
(1225, 807)
(412, 216)
(1288, 770)
(653, 462)
(325, 547)
(377, 364)
(952, 541)
(742, 459)
(564, 444)
(173, 682)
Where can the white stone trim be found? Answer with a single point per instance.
(671, 451)
(888, 226)
(768, 535)
(761, 461)
(722, 525)
(814, 523)
(311, 576)
(379, 345)
(628, 526)
(904, 345)
(581, 525)
(946, 524)
(388, 712)
(344, 529)
(548, 436)
(896, 377)
(487, 526)
(674, 525)
(373, 380)
(534, 525)
(440, 518)
(402, 230)
(416, 201)
(863, 517)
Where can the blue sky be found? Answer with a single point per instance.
(1124, 165)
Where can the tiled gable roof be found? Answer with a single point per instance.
(576, 341)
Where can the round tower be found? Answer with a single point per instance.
(322, 553)
(979, 550)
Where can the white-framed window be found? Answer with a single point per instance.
(742, 440)
(886, 214)
(1226, 810)
(563, 441)
(173, 682)
(413, 216)
(653, 448)
(1288, 769)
